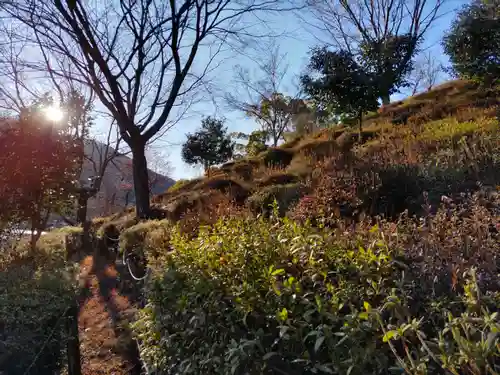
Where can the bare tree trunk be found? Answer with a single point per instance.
(110, 203)
(275, 140)
(385, 99)
(415, 87)
(81, 212)
(141, 182)
(38, 224)
(360, 123)
(73, 344)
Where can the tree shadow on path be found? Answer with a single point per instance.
(101, 280)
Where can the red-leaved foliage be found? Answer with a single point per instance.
(38, 165)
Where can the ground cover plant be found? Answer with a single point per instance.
(385, 260)
(253, 296)
(37, 288)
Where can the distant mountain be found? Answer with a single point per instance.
(117, 183)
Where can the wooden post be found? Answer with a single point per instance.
(86, 235)
(73, 344)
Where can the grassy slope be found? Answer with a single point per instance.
(450, 111)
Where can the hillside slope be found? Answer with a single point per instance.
(408, 133)
(390, 262)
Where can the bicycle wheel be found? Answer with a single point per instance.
(133, 264)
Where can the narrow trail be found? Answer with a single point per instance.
(106, 307)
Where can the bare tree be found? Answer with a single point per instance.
(118, 191)
(97, 158)
(160, 166)
(426, 74)
(16, 93)
(137, 55)
(391, 30)
(260, 95)
(19, 89)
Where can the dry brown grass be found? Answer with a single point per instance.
(277, 178)
(426, 128)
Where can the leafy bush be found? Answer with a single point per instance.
(278, 178)
(318, 149)
(134, 238)
(285, 195)
(337, 193)
(276, 157)
(257, 142)
(449, 128)
(235, 189)
(391, 174)
(249, 296)
(178, 184)
(121, 223)
(301, 166)
(473, 43)
(294, 141)
(198, 208)
(244, 170)
(37, 287)
(186, 202)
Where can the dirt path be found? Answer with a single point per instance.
(106, 344)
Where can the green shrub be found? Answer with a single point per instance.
(276, 157)
(278, 178)
(197, 208)
(36, 289)
(98, 222)
(121, 223)
(450, 128)
(301, 166)
(244, 169)
(237, 190)
(181, 204)
(346, 140)
(178, 184)
(318, 148)
(135, 238)
(337, 192)
(249, 296)
(294, 141)
(185, 186)
(284, 195)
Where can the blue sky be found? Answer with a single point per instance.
(295, 43)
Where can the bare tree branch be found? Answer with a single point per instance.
(385, 35)
(426, 74)
(138, 56)
(263, 96)
(348, 23)
(18, 90)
